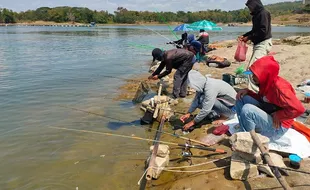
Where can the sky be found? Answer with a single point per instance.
(138, 5)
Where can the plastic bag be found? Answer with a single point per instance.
(241, 51)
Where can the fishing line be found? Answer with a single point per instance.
(288, 169)
(162, 18)
(108, 117)
(114, 135)
(157, 33)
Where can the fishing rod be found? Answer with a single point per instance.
(134, 137)
(157, 33)
(108, 117)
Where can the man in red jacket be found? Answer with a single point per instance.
(271, 111)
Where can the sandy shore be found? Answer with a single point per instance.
(295, 67)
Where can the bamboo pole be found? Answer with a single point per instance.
(149, 174)
(275, 170)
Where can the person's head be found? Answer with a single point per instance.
(201, 30)
(254, 5)
(157, 54)
(265, 71)
(184, 36)
(196, 45)
(191, 38)
(196, 81)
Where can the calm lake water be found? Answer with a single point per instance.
(43, 69)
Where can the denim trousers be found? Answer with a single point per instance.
(253, 118)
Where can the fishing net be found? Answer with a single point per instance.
(141, 92)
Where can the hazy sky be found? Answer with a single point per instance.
(151, 5)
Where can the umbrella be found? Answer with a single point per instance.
(204, 24)
(182, 27)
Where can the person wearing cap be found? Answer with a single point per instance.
(203, 38)
(179, 59)
(196, 47)
(272, 110)
(260, 34)
(212, 95)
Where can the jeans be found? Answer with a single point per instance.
(253, 118)
(222, 109)
(259, 50)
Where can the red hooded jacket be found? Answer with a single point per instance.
(276, 90)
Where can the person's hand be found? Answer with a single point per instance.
(240, 38)
(245, 39)
(153, 77)
(276, 121)
(188, 125)
(183, 118)
(241, 93)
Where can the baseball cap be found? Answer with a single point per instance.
(157, 53)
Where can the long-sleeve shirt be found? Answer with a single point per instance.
(205, 100)
(174, 59)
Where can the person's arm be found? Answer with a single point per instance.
(253, 94)
(168, 69)
(159, 68)
(195, 103)
(291, 106)
(261, 30)
(207, 105)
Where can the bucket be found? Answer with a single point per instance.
(295, 161)
(147, 119)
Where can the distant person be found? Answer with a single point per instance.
(273, 109)
(260, 34)
(203, 38)
(196, 46)
(179, 59)
(181, 43)
(212, 95)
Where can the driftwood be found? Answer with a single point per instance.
(275, 170)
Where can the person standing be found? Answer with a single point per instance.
(179, 59)
(260, 34)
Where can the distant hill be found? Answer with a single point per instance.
(283, 8)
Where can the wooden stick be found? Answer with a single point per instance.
(149, 174)
(155, 115)
(275, 170)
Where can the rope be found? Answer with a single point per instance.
(197, 171)
(201, 164)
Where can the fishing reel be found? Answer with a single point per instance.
(186, 153)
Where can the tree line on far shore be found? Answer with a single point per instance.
(122, 15)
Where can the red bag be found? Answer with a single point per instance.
(222, 129)
(240, 54)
